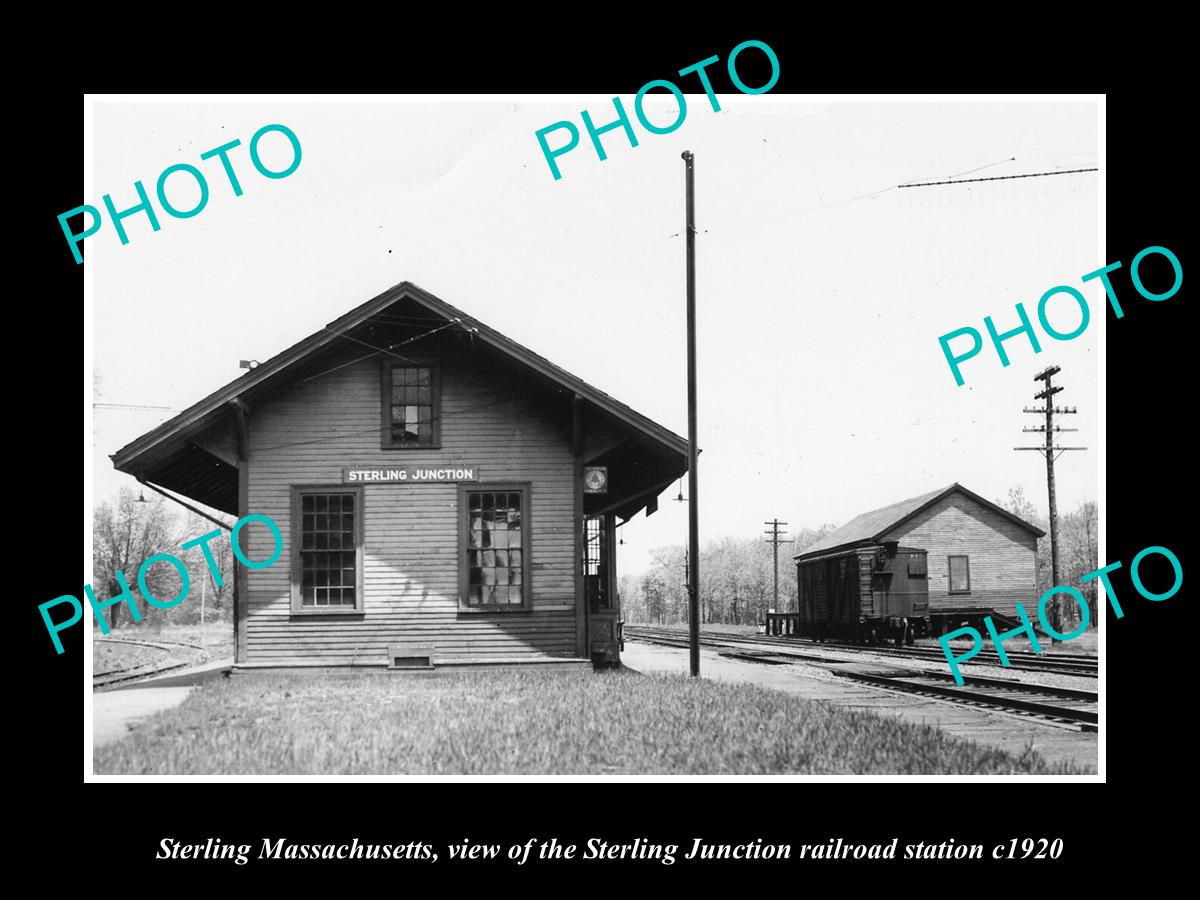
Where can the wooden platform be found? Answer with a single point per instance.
(783, 623)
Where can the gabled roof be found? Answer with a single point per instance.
(170, 437)
(873, 525)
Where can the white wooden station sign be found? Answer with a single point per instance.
(411, 475)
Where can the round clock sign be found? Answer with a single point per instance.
(595, 479)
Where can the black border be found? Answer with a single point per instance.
(1126, 824)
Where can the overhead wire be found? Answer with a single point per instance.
(383, 350)
(998, 178)
(952, 179)
(388, 350)
(132, 406)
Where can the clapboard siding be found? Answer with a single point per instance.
(510, 428)
(1003, 555)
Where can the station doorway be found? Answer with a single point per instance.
(600, 582)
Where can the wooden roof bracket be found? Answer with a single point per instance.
(240, 409)
(577, 428)
(183, 503)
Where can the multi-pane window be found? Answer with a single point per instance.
(960, 575)
(327, 571)
(410, 405)
(495, 565)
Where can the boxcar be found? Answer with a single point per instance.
(869, 592)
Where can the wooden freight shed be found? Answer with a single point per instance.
(936, 561)
(445, 495)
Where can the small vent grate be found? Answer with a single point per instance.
(411, 662)
(411, 656)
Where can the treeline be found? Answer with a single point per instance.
(1078, 551)
(736, 577)
(736, 585)
(129, 530)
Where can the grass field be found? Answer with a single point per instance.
(529, 722)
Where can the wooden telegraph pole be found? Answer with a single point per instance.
(1051, 452)
(775, 540)
(687, 577)
(693, 483)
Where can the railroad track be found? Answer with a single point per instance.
(134, 673)
(1019, 660)
(1066, 707)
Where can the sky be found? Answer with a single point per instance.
(822, 287)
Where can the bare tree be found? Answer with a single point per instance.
(219, 598)
(631, 599)
(736, 587)
(125, 533)
(1078, 550)
(654, 592)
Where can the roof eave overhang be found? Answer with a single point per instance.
(840, 549)
(957, 488)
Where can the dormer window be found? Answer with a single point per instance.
(411, 405)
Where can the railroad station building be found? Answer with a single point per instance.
(445, 495)
(967, 556)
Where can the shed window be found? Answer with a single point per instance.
(411, 405)
(494, 564)
(960, 575)
(327, 550)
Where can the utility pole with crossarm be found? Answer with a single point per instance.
(1051, 452)
(775, 540)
